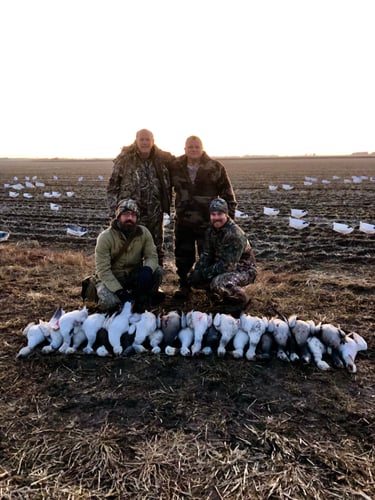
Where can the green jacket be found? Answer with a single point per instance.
(116, 256)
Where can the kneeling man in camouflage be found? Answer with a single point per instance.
(227, 264)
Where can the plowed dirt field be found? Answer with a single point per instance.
(159, 427)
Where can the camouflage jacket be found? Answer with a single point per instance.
(192, 200)
(145, 181)
(225, 250)
(116, 256)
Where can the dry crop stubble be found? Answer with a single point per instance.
(160, 427)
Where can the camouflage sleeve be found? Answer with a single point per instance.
(230, 253)
(150, 255)
(113, 188)
(226, 191)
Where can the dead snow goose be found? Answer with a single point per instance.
(228, 327)
(118, 325)
(199, 322)
(142, 330)
(349, 349)
(254, 327)
(68, 322)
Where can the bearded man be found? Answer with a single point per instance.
(126, 261)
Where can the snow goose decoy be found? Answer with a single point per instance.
(297, 213)
(298, 223)
(76, 230)
(166, 219)
(287, 187)
(4, 235)
(240, 215)
(272, 187)
(54, 206)
(342, 228)
(270, 211)
(367, 228)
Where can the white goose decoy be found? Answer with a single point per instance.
(287, 187)
(367, 228)
(326, 181)
(4, 235)
(342, 228)
(166, 219)
(54, 206)
(29, 184)
(76, 230)
(27, 195)
(240, 215)
(13, 194)
(39, 184)
(298, 223)
(18, 186)
(270, 211)
(307, 183)
(69, 193)
(272, 187)
(297, 213)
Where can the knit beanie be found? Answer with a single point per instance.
(127, 206)
(219, 205)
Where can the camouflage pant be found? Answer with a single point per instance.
(108, 301)
(155, 225)
(232, 286)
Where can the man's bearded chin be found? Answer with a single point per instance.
(127, 226)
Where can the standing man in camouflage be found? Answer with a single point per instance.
(196, 179)
(227, 264)
(140, 172)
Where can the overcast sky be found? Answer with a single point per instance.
(80, 77)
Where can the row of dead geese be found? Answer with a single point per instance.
(194, 333)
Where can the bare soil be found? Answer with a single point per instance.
(159, 427)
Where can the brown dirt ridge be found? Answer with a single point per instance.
(159, 427)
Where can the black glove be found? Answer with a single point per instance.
(144, 281)
(124, 295)
(195, 278)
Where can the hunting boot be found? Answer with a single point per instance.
(157, 294)
(183, 291)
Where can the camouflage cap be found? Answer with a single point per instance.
(127, 206)
(219, 205)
